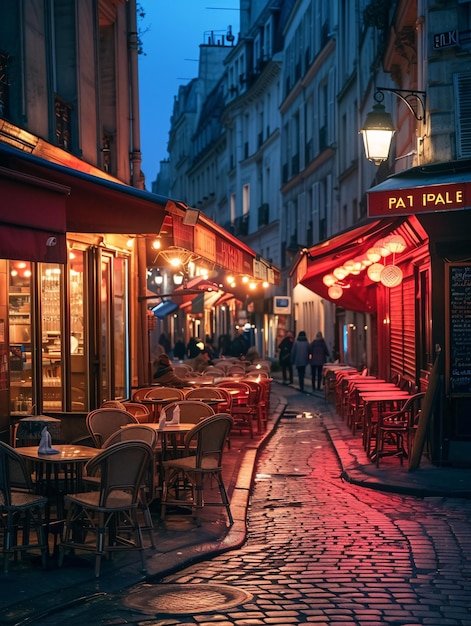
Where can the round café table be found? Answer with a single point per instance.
(56, 475)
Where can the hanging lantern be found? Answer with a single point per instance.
(349, 265)
(340, 273)
(382, 248)
(391, 276)
(335, 292)
(374, 272)
(374, 254)
(394, 243)
(329, 280)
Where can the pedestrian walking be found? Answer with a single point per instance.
(284, 358)
(319, 354)
(300, 356)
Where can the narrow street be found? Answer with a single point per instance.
(319, 551)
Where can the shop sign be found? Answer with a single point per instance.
(205, 243)
(413, 200)
(182, 234)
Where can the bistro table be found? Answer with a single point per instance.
(56, 475)
(169, 435)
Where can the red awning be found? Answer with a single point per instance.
(32, 218)
(359, 293)
(94, 204)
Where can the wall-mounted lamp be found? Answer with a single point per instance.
(178, 278)
(378, 129)
(158, 279)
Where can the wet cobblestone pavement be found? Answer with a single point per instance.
(319, 551)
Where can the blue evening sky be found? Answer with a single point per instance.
(171, 33)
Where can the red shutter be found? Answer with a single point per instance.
(402, 316)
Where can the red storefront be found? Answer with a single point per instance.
(425, 307)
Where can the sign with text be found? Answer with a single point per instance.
(427, 199)
(458, 300)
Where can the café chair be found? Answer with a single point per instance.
(20, 508)
(202, 459)
(104, 520)
(244, 409)
(140, 411)
(103, 422)
(191, 411)
(140, 393)
(162, 393)
(112, 404)
(395, 429)
(150, 485)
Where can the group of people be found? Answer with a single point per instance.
(196, 353)
(300, 353)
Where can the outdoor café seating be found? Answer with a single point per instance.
(104, 520)
(185, 481)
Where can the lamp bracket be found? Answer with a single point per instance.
(409, 97)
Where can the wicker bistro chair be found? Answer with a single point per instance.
(112, 404)
(162, 393)
(244, 410)
(395, 428)
(140, 411)
(140, 393)
(103, 422)
(105, 520)
(21, 509)
(196, 465)
(151, 483)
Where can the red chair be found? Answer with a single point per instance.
(244, 407)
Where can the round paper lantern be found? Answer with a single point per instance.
(329, 279)
(349, 265)
(391, 276)
(374, 254)
(340, 273)
(335, 292)
(374, 272)
(394, 243)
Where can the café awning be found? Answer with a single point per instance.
(359, 292)
(164, 308)
(94, 203)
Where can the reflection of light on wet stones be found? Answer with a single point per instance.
(187, 599)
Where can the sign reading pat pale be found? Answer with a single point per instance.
(427, 199)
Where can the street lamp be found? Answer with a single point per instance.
(379, 129)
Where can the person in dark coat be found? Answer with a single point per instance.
(179, 349)
(164, 374)
(319, 355)
(284, 358)
(300, 356)
(192, 349)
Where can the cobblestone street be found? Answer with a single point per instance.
(320, 551)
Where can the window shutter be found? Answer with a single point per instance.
(462, 83)
(402, 329)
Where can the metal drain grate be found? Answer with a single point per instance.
(188, 599)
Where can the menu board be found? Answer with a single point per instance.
(459, 323)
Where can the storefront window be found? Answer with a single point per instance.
(78, 344)
(50, 276)
(20, 336)
(120, 333)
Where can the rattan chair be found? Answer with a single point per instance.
(21, 510)
(140, 411)
(103, 422)
(185, 478)
(105, 520)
